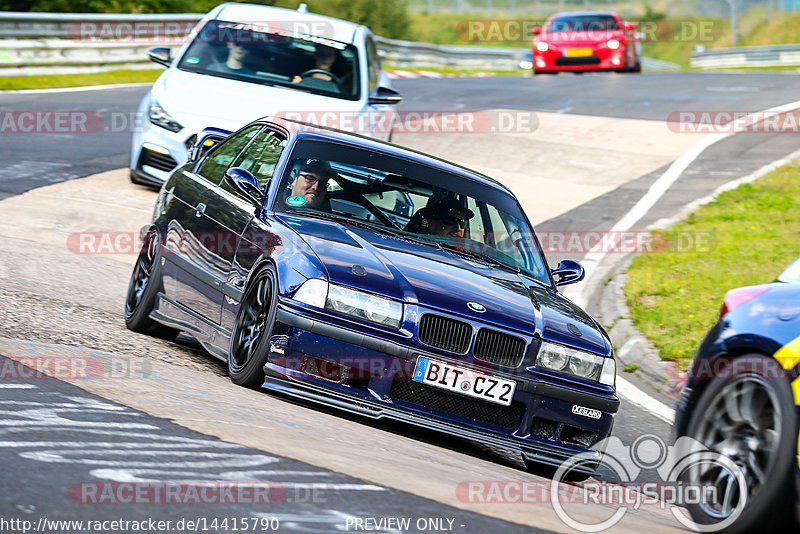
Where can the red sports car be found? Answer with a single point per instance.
(586, 40)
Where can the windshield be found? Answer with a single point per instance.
(582, 23)
(259, 54)
(407, 199)
(792, 273)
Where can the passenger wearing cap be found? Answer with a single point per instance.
(311, 184)
(446, 217)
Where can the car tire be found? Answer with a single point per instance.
(771, 504)
(637, 67)
(253, 328)
(143, 290)
(549, 471)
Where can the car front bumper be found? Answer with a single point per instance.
(320, 361)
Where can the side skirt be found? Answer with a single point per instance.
(213, 337)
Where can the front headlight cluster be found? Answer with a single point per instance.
(160, 117)
(542, 46)
(576, 363)
(613, 44)
(352, 302)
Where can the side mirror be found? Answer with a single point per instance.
(207, 139)
(244, 183)
(568, 272)
(537, 30)
(161, 55)
(384, 95)
(629, 27)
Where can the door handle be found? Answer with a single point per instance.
(201, 209)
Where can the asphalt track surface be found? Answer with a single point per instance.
(55, 435)
(34, 160)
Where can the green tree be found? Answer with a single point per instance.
(388, 18)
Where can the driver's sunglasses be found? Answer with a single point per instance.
(450, 220)
(311, 179)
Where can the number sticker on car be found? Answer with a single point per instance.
(465, 381)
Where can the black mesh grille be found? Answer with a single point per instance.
(499, 348)
(576, 61)
(444, 333)
(577, 436)
(162, 162)
(544, 428)
(444, 401)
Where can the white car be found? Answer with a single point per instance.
(245, 61)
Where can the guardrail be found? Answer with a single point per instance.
(68, 43)
(748, 56)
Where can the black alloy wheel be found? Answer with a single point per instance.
(143, 290)
(253, 329)
(748, 415)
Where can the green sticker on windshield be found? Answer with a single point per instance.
(192, 60)
(296, 201)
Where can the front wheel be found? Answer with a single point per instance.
(143, 291)
(747, 415)
(253, 329)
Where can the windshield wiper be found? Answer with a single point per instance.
(481, 257)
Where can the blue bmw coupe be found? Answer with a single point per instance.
(378, 280)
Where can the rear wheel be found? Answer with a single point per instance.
(747, 415)
(143, 290)
(253, 329)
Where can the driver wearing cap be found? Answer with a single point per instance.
(311, 185)
(445, 217)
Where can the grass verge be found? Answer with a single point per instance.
(746, 236)
(16, 83)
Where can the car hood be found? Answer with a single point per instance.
(576, 39)
(200, 100)
(421, 274)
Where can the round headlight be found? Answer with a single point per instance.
(613, 44)
(378, 310)
(541, 46)
(553, 357)
(583, 367)
(342, 300)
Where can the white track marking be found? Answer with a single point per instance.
(74, 89)
(664, 182)
(17, 386)
(643, 400)
(733, 184)
(656, 191)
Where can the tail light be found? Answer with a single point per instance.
(736, 297)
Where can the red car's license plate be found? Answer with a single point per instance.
(578, 52)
